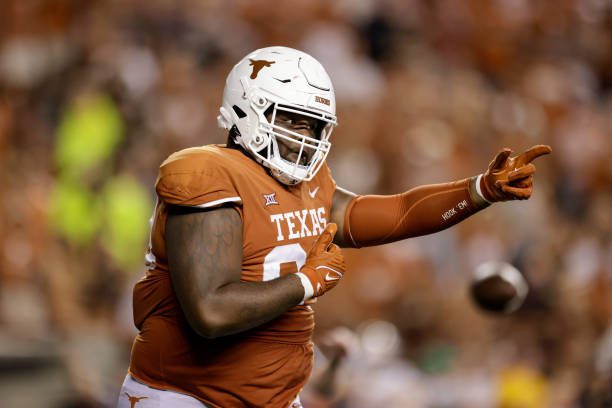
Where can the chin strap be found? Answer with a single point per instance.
(283, 178)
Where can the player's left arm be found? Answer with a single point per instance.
(369, 220)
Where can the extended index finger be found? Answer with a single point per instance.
(533, 153)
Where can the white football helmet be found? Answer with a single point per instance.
(274, 79)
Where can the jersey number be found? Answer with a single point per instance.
(280, 255)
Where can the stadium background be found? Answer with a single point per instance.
(95, 94)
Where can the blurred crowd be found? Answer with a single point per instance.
(95, 94)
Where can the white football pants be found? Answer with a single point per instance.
(135, 394)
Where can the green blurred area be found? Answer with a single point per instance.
(117, 209)
(127, 207)
(75, 212)
(88, 134)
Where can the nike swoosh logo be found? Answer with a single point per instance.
(313, 193)
(334, 275)
(284, 81)
(331, 278)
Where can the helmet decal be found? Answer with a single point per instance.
(258, 65)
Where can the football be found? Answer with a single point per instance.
(498, 287)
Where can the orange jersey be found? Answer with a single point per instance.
(267, 365)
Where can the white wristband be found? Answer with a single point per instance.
(479, 191)
(308, 289)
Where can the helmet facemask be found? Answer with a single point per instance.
(293, 156)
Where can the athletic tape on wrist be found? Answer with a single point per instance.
(308, 289)
(479, 191)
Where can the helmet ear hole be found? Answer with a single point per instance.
(239, 112)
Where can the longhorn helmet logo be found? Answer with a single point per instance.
(258, 65)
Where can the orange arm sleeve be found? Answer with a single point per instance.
(374, 219)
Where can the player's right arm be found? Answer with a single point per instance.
(204, 250)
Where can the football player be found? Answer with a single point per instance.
(245, 236)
